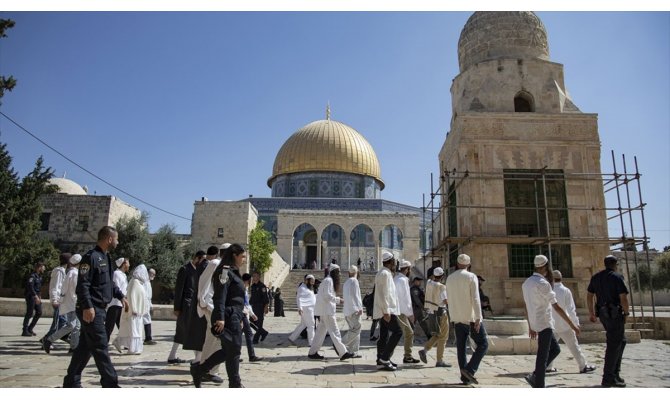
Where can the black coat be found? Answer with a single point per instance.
(190, 326)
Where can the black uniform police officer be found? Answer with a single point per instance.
(259, 301)
(612, 308)
(95, 289)
(227, 317)
(33, 300)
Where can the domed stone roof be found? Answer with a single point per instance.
(509, 34)
(327, 146)
(67, 186)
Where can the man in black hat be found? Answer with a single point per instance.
(611, 306)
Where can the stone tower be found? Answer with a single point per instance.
(517, 143)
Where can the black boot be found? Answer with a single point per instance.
(196, 374)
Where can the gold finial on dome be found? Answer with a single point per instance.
(328, 111)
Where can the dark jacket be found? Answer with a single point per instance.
(95, 286)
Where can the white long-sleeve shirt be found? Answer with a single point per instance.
(121, 281)
(56, 284)
(305, 298)
(404, 299)
(69, 302)
(326, 299)
(463, 290)
(386, 298)
(351, 294)
(206, 289)
(567, 303)
(436, 296)
(539, 297)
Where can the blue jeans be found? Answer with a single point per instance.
(547, 350)
(481, 340)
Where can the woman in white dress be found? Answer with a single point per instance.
(131, 329)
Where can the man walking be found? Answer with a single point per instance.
(115, 307)
(406, 313)
(563, 331)
(260, 303)
(386, 310)
(436, 304)
(418, 299)
(352, 310)
(611, 306)
(466, 313)
(33, 300)
(190, 329)
(95, 289)
(56, 294)
(540, 299)
(305, 300)
(67, 308)
(326, 303)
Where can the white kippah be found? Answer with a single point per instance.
(119, 261)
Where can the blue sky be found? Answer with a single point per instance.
(175, 106)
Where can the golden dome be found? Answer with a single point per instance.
(327, 146)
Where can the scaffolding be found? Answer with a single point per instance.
(629, 212)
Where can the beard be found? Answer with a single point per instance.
(309, 286)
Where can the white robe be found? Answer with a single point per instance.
(131, 327)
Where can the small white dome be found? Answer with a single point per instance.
(67, 186)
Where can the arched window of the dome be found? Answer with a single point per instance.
(391, 238)
(523, 102)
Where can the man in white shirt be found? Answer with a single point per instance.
(326, 303)
(115, 307)
(67, 308)
(386, 310)
(406, 315)
(562, 330)
(466, 312)
(56, 295)
(352, 310)
(205, 308)
(436, 305)
(305, 300)
(540, 299)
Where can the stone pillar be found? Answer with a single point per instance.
(318, 252)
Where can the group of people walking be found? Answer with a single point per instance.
(216, 305)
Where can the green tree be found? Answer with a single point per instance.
(260, 248)
(20, 211)
(6, 83)
(189, 250)
(166, 255)
(134, 239)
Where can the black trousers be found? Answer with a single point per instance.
(616, 342)
(389, 336)
(259, 311)
(31, 307)
(113, 317)
(92, 342)
(230, 354)
(547, 350)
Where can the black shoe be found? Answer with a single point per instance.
(150, 342)
(469, 375)
(46, 345)
(176, 361)
(374, 338)
(346, 356)
(422, 356)
(264, 335)
(613, 384)
(255, 359)
(315, 356)
(589, 368)
(410, 360)
(550, 370)
(530, 378)
(619, 379)
(387, 366)
(211, 378)
(380, 362)
(195, 374)
(32, 333)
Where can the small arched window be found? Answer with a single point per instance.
(523, 102)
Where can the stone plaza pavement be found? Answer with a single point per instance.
(23, 363)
